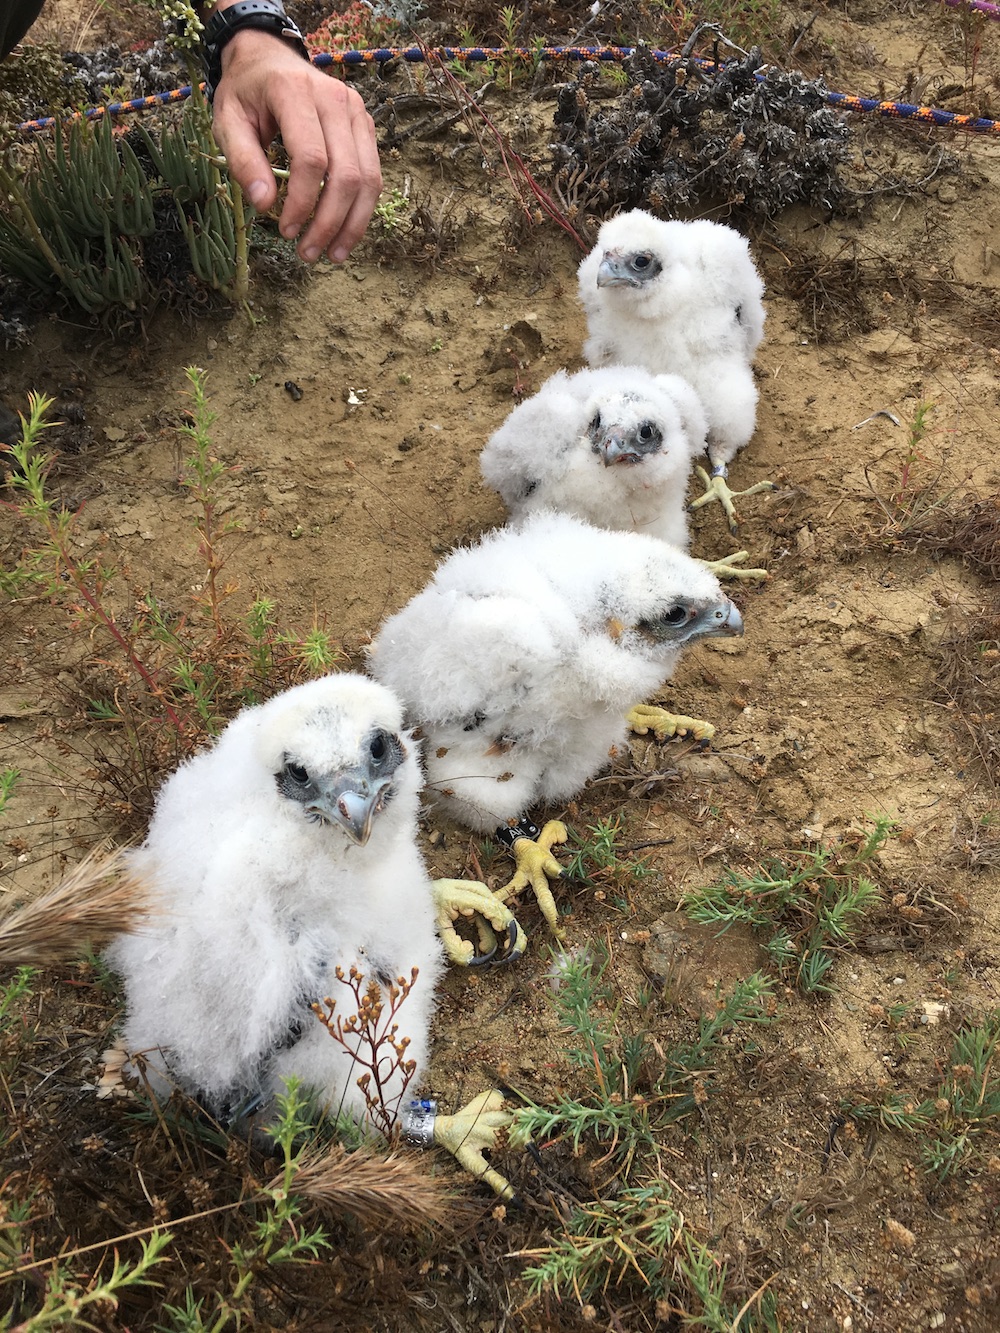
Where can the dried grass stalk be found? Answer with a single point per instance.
(969, 530)
(97, 900)
(391, 1190)
(969, 675)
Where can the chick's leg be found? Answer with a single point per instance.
(726, 568)
(645, 718)
(535, 867)
(458, 897)
(473, 1130)
(717, 488)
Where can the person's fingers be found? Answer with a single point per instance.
(353, 179)
(334, 177)
(240, 141)
(359, 214)
(308, 159)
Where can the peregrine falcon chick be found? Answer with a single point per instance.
(520, 659)
(683, 298)
(613, 446)
(285, 851)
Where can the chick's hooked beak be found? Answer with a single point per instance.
(719, 618)
(351, 799)
(613, 449)
(619, 268)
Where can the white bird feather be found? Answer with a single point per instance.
(683, 298)
(519, 660)
(260, 859)
(613, 446)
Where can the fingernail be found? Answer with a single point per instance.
(258, 193)
(339, 255)
(290, 231)
(310, 254)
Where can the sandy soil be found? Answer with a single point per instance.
(830, 710)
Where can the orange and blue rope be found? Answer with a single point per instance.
(381, 55)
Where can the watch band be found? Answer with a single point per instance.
(267, 15)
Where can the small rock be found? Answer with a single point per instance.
(703, 768)
(805, 542)
(947, 192)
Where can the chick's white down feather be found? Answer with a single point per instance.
(613, 446)
(264, 891)
(683, 298)
(520, 658)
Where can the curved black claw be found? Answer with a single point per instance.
(484, 959)
(514, 951)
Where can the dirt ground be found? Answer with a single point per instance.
(831, 709)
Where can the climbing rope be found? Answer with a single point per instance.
(382, 55)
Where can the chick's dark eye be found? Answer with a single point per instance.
(641, 261)
(595, 425)
(379, 746)
(645, 432)
(297, 773)
(676, 615)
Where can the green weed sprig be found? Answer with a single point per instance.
(66, 1300)
(278, 1236)
(53, 560)
(812, 902)
(965, 1109)
(633, 1090)
(639, 1241)
(595, 860)
(9, 778)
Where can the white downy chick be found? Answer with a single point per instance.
(613, 446)
(285, 850)
(522, 656)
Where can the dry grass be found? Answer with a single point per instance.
(378, 1190)
(969, 530)
(73, 26)
(94, 902)
(970, 680)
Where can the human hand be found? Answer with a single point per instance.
(335, 180)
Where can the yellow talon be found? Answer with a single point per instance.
(717, 488)
(726, 568)
(535, 867)
(473, 1130)
(458, 897)
(644, 718)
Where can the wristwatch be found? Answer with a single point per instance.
(268, 15)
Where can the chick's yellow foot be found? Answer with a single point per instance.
(470, 1132)
(459, 897)
(726, 567)
(535, 867)
(717, 488)
(644, 718)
